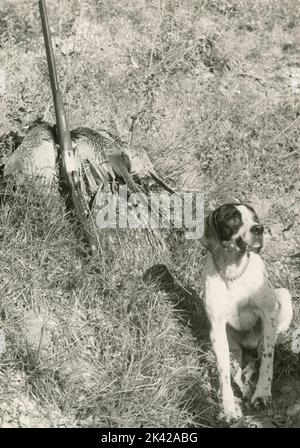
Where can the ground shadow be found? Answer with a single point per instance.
(191, 313)
(184, 298)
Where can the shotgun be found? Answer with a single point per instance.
(69, 169)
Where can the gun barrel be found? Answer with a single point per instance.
(61, 117)
(48, 45)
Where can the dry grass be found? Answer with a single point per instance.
(216, 87)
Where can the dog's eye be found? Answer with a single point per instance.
(234, 221)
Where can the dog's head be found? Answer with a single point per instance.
(233, 226)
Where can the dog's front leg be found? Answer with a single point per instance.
(262, 394)
(220, 345)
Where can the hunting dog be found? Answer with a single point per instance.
(240, 299)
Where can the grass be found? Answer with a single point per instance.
(215, 85)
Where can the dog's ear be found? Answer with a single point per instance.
(210, 239)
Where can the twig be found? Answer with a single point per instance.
(162, 183)
(290, 154)
(245, 74)
(40, 343)
(290, 125)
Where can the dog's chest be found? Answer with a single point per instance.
(239, 300)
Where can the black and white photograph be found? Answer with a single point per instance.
(149, 217)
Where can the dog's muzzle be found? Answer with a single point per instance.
(257, 229)
(254, 246)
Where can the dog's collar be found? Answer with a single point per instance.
(233, 277)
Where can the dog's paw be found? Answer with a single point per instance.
(261, 401)
(229, 415)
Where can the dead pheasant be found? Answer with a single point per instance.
(101, 160)
(35, 156)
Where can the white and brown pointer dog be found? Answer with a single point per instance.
(239, 297)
